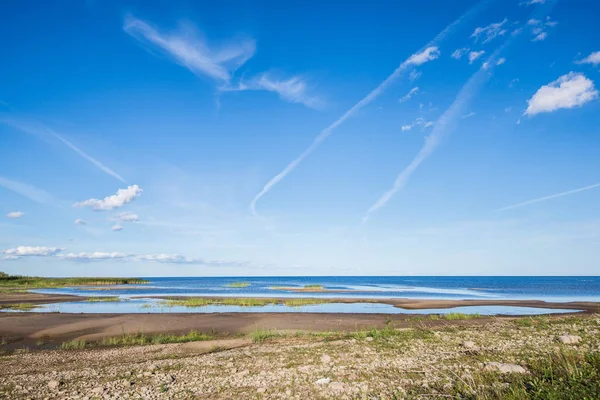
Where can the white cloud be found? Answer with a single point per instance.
(532, 2)
(429, 54)
(490, 32)
(458, 53)
(474, 55)
(185, 47)
(414, 74)
(80, 221)
(25, 251)
(469, 115)
(568, 91)
(126, 216)
(593, 58)
(534, 22)
(117, 228)
(501, 61)
(417, 122)
(123, 196)
(15, 214)
(95, 256)
(540, 37)
(293, 90)
(410, 94)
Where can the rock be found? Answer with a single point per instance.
(261, 390)
(336, 386)
(53, 385)
(323, 381)
(230, 365)
(369, 339)
(98, 390)
(505, 368)
(147, 373)
(325, 359)
(288, 392)
(569, 339)
(470, 346)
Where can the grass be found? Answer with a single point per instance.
(305, 288)
(74, 345)
(262, 335)
(242, 302)
(31, 282)
(558, 375)
(19, 306)
(313, 286)
(237, 284)
(113, 299)
(455, 316)
(136, 339)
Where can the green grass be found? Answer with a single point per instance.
(31, 282)
(237, 284)
(137, 339)
(100, 299)
(74, 345)
(456, 316)
(313, 286)
(557, 376)
(242, 302)
(262, 335)
(19, 306)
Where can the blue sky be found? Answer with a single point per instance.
(265, 138)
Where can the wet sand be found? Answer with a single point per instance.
(28, 327)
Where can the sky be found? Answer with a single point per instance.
(150, 138)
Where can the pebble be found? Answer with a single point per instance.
(323, 381)
(569, 339)
(505, 368)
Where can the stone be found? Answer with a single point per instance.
(261, 390)
(569, 339)
(369, 339)
(505, 368)
(323, 381)
(325, 359)
(470, 345)
(98, 390)
(53, 385)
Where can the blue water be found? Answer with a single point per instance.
(558, 289)
(139, 306)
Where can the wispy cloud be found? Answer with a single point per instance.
(427, 53)
(126, 216)
(97, 256)
(123, 196)
(458, 53)
(490, 32)
(554, 196)
(569, 91)
(414, 75)
(532, 2)
(185, 47)
(538, 31)
(409, 95)
(593, 58)
(80, 221)
(293, 90)
(15, 214)
(117, 228)
(417, 122)
(29, 191)
(41, 130)
(474, 55)
(442, 126)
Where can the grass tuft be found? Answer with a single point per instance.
(18, 306)
(242, 302)
(100, 299)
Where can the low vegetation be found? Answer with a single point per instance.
(19, 306)
(241, 302)
(305, 288)
(139, 339)
(105, 299)
(237, 284)
(33, 282)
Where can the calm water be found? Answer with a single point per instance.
(518, 288)
(139, 306)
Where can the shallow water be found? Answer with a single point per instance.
(140, 306)
(497, 288)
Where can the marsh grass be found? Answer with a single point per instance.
(19, 306)
(237, 284)
(242, 302)
(31, 282)
(74, 345)
(140, 338)
(100, 299)
(456, 316)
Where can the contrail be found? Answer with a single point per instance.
(554, 196)
(445, 123)
(325, 133)
(42, 130)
